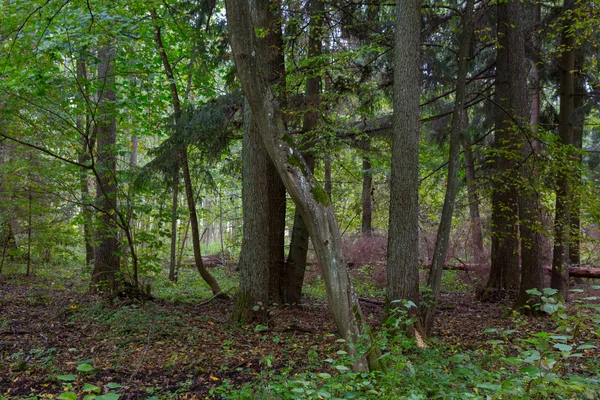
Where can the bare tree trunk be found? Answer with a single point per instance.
(295, 267)
(443, 234)
(106, 259)
(367, 188)
(182, 159)
(504, 273)
(253, 295)
(564, 196)
(578, 120)
(88, 145)
(403, 239)
(477, 247)
(530, 212)
(174, 203)
(250, 57)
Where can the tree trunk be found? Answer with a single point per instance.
(253, 296)
(367, 187)
(88, 144)
(295, 267)
(579, 116)
(477, 247)
(106, 259)
(250, 57)
(564, 196)
(504, 273)
(182, 159)
(403, 239)
(276, 193)
(174, 202)
(327, 173)
(443, 235)
(530, 212)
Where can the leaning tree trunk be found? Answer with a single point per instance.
(106, 259)
(182, 159)
(295, 267)
(250, 57)
(443, 235)
(403, 236)
(504, 273)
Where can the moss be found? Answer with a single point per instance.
(297, 162)
(288, 139)
(320, 195)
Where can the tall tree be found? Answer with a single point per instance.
(295, 267)
(182, 160)
(403, 239)
(504, 272)
(250, 56)
(443, 235)
(530, 212)
(106, 258)
(564, 195)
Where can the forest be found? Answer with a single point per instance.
(299, 199)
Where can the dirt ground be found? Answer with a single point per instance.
(185, 350)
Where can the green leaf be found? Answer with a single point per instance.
(67, 396)
(490, 386)
(67, 378)
(324, 375)
(549, 308)
(85, 367)
(108, 396)
(88, 387)
(533, 292)
(113, 385)
(549, 291)
(342, 368)
(530, 370)
(586, 347)
(563, 347)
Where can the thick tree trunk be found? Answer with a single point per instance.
(295, 267)
(504, 273)
(106, 259)
(254, 268)
(564, 196)
(276, 190)
(403, 236)
(250, 57)
(443, 234)
(530, 213)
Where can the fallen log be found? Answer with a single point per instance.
(574, 271)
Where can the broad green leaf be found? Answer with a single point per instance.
(85, 367)
(67, 396)
(67, 378)
(88, 387)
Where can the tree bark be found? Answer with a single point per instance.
(530, 212)
(504, 273)
(564, 196)
(403, 236)
(253, 295)
(182, 160)
(106, 259)
(367, 187)
(88, 145)
(477, 247)
(174, 203)
(295, 267)
(250, 60)
(443, 234)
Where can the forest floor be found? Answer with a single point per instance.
(55, 338)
